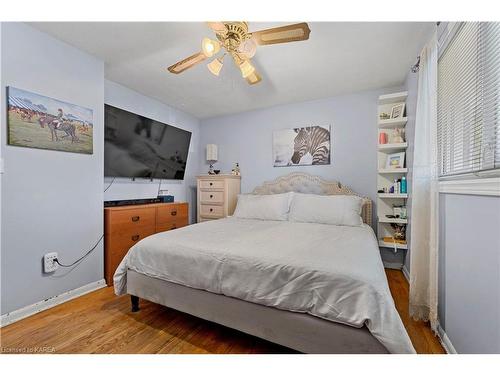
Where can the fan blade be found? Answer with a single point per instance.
(283, 34)
(217, 27)
(187, 63)
(254, 78)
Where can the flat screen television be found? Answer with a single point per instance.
(139, 147)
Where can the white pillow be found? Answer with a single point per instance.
(326, 209)
(263, 207)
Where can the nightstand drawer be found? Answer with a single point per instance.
(209, 210)
(211, 184)
(212, 197)
(202, 219)
(216, 196)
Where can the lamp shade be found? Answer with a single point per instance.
(209, 47)
(215, 66)
(246, 69)
(211, 152)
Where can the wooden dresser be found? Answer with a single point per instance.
(124, 226)
(217, 196)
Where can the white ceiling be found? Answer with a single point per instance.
(338, 58)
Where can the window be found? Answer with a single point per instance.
(469, 100)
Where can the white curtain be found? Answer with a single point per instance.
(425, 194)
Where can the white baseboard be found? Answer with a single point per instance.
(406, 273)
(445, 340)
(24, 312)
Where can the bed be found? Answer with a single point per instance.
(312, 287)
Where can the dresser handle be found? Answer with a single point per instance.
(211, 184)
(135, 237)
(211, 196)
(173, 213)
(135, 218)
(211, 209)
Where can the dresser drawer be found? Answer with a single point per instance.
(212, 197)
(171, 213)
(117, 245)
(125, 221)
(174, 224)
(211, 184)
(209, 210)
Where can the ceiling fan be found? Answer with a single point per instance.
(237, 42)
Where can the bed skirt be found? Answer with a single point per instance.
(298, 331)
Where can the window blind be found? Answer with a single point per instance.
(469, 100)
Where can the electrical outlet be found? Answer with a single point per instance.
(48, 262)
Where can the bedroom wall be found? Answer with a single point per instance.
(51, 200)
(124, 188)
(247, 138)
(469, 278)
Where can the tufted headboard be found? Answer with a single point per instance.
(305, 183)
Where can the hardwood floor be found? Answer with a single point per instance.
(101, 322)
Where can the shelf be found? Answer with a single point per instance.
(392, 146)
(392, 123)
(391, 245)
(392, 195)
(392, 170)
(392, 221)
(397, 97)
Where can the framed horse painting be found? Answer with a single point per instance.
(38, 121)
(309, 145)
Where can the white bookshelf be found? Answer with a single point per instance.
(392, 221)
(386, 176)
(392, 123)
(391, 170)
(398, 97)
(392, 195)
(390, 245)
(393, 147)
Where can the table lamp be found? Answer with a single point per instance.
(211, 157)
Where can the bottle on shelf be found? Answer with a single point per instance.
(396, 187)
(404, 188)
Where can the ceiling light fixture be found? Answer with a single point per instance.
(241, 44)
(246, 68)
(210, 47)
(215, 66)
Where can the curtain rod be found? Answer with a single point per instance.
(415, 67)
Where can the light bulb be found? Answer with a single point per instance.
(246, 69)
(209, 47)
(248, 48)
(215, 66)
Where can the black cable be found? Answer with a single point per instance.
(78, 260)
(111, 183)
(100, 238)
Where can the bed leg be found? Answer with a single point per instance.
(135, 303)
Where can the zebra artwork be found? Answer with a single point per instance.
(302, 146)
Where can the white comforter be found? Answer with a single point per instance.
(332, 272)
